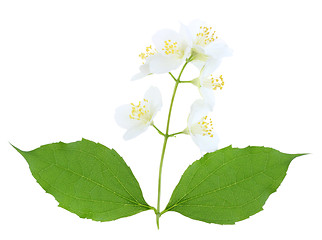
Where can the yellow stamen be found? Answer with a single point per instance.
(214, 83)
(204, 127)
(140, 111)
(205, 36)
(148, 52)
(170, 47)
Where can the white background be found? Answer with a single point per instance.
(66, 65)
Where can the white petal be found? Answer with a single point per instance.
(164, 35)
(135, 131)
(138, 76)
(186, 49)
(144, 71)
(122, 117)
(164, 64)
(186, 34)
(208, 97)
(218, 49)
(199, 64)
(195, 25)
(198, 110)
(153, 95)
(210, 66)
(206, 143)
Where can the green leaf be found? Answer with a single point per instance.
(88, 179)
(229, 185)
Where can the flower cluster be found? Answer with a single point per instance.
(196, 43)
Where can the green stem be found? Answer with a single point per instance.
(177, 133)
(159, 182)
(173, 77)
(159, 131)
(166, 136)
(185, 81)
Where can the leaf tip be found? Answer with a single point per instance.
(18, 150)
(300, 154)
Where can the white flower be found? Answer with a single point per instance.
(200, 127)
(207, 50)
(145, 67)
(137, 118)
(196, 42)
(172, 50)
(207, 85)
